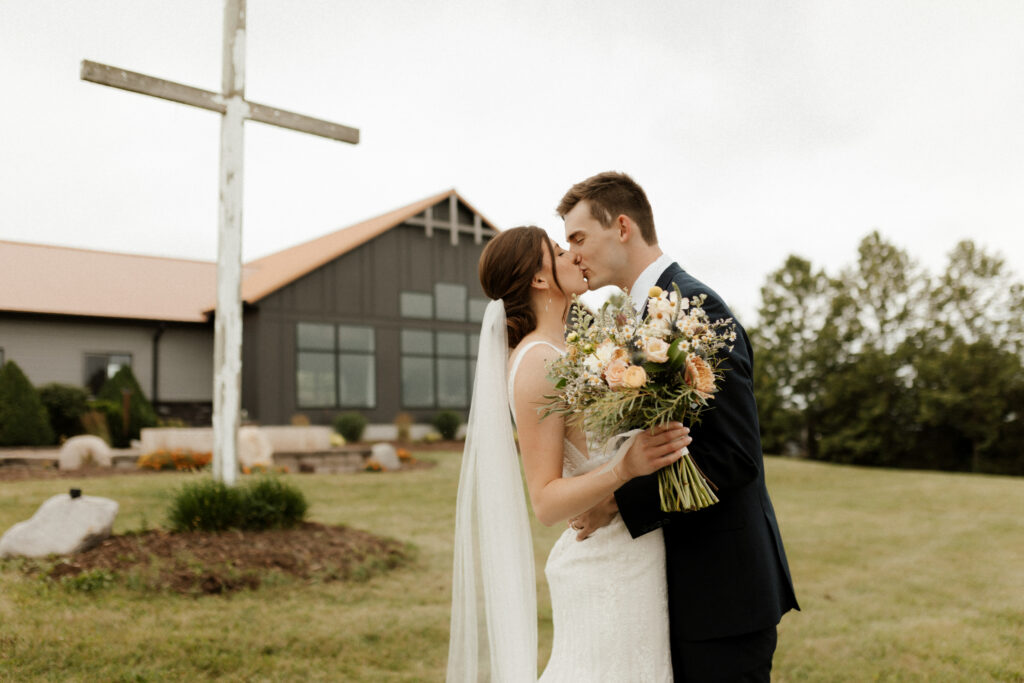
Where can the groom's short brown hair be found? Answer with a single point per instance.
(612, 194)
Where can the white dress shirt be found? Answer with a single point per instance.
(648, 278)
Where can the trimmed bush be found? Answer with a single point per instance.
(273, 504)
(208, 505)
(65, 404)
(351, 426)
(111, 400)
(447, 424)
(23, 418)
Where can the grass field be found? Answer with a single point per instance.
(914, 576)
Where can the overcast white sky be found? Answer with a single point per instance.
(758, 129)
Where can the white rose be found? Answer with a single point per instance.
(656, 350)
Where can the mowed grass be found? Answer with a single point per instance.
(902, 576)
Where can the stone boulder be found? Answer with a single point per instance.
(62, 525)
(80, 450)
(254, 448)
(384, 455)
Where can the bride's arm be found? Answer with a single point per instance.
(540, 441)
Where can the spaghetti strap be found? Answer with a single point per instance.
(519, 353)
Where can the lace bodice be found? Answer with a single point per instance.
(574, 461)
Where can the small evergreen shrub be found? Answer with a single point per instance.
(351, 426)
(206, 505)
(23, 418)
(273, 504)
(65, 404)
(95, 422)
(141, 413)
(447, 424)
(209, 505)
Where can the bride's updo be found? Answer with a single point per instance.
(507, 267)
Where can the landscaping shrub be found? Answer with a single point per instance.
(208, 505)
(447, 423)
(273, 504)
(23, 418)
(350, 426)
(110, 402)
(65, 404)
(95, 422)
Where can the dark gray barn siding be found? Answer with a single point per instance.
(361, 287)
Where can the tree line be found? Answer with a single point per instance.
(886, 364)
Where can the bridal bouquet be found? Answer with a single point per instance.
(625, 371)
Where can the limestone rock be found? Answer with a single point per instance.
(384, 455)
(62, 525)
(254, 448)
(79, 450)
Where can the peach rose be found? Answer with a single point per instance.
(656, 350)
(615, 373)
(635, 377)
(699, 376)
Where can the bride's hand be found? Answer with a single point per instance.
(653, 449)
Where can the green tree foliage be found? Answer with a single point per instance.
(110, 401)
(65, 404)
(885, 365)
(23, 418)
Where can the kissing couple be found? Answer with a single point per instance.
(637, 594)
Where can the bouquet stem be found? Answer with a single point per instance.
(682, 487)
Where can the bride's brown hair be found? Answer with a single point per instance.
(507, 267)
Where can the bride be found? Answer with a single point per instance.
(608, 592)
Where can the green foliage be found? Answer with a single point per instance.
(270, 503)
(350, 426)
(65, 404)
(447, 424)
(91, 581)
(23, 418)
(205, 505)
(110, 401)
(885, 365)
(209, 505)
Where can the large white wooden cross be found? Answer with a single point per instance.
(235, 109)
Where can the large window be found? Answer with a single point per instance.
(99, 367)
(417, 368)
(416, 305)
(437, 368)
(451, 301)
(335, 366)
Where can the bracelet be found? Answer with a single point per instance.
(615, 471)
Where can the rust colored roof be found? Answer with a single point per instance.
(37, 278)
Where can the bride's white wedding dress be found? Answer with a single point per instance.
(609, 596)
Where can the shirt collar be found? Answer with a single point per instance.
(648, 278)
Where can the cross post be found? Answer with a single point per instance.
(230, 102)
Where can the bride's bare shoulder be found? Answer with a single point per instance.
(531, 376)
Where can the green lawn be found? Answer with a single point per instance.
(902, 576)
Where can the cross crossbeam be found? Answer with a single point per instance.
(212, 101)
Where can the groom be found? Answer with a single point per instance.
(728, 578)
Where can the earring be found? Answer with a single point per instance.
(547, 304)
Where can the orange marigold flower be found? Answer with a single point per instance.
(699, 376)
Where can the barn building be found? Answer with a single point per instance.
(380, 318)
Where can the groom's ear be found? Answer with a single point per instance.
(624, 224)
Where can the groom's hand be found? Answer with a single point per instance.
(593, 519)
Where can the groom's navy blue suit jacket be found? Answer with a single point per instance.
(727, 568)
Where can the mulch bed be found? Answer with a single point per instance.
(198, 563)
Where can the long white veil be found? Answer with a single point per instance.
(494, 596)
